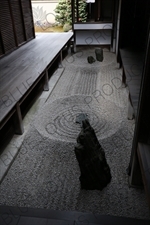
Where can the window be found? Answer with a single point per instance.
(95, 10)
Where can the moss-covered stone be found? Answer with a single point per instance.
(67, 27)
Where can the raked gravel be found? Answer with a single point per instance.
(45, 173)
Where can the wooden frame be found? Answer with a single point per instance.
(129, 53)
(94, 5)
(12, 19)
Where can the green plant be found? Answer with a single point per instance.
(82, 11)
(68, 12)
(61, 12)
(64, 12)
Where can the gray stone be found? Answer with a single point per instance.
(90, 59)
(99, 54)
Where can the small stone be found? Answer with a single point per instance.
(90, 59)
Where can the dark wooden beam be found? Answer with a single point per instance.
(114, 20)
(2, 44)
(144, 159)
(24, 31)
(77, 5)
(73, 13)
(142, 127)
(13, 23)
(17, 120)
(46, 85)
(23, 20)
(32, 19)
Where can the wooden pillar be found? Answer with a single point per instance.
(17, 120)
(97, 9)
(46, 86)
(142, 128)
(115, 22)
(77, 7)
(130, 109)
(61, 58)
(118, 31)
(73, 12)
(13, 24)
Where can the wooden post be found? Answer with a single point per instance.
(2, 43)
(130, 109)
(97, 10)
(13, 24)
(17, 120)
(118, 30)
(46, 85)
(23, 19)
(69, 47)
(73, 13)
(114, 20)
(60, 63)
(32, 19)
(142, 128)
(77, 5)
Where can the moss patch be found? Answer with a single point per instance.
(49, 29)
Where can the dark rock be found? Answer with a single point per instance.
(90, 59)
(99, 54)
(95, 172)
(80, 117)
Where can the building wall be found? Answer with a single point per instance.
(43, 13)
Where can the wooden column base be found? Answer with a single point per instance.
(135, 178)
(143, 152)
(130, 109)
(17, 121)
(60, 63)
(46, 85)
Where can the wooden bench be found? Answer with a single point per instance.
(143, 152)
(23, 69)
(132, 62)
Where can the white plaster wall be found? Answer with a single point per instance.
(43, 11)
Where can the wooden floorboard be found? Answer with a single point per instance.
(20, 69)
(27, 216)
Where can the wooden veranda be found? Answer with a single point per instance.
(23, 69)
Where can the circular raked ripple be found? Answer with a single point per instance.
(58, 119)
